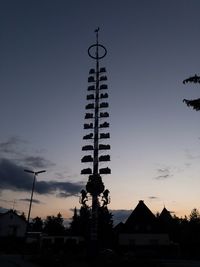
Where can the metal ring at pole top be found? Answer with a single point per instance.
(97, 56)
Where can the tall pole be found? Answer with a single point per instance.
(32, 191)
(96, 122)
(30, 204)
(95, 186)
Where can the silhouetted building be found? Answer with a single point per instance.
(142, 229)
(165, 216)
(12, 224)
(141, 220)
(147, 234)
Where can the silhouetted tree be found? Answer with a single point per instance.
(193, 234)
(75, 224)
(194, 103)
(80, 224)
(195, 216)
(54, 225)
(37, 224)
(23, 216)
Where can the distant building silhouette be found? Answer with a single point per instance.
(144, 232)
(141, 220)
(12, 224)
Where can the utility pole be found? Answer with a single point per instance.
(32, 191)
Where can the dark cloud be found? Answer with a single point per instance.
(153, 197)
(10, 146)
(13, 177)
(12, 149)
(120, 215)
(36, 201)
(163, 174)
(37, 162)
(64, 189)
(162, 177)
(64, 195)
(3, 210)
(163, 170)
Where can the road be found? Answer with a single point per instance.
(15, 261)
(180, 263)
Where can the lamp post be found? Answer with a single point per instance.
(33, 187)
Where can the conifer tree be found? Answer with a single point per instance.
(54, 225)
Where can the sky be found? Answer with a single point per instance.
(155, 138)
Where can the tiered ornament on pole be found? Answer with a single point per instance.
(194, 103)
(95, 124)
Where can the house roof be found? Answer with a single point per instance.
(140, 214)
(141, 219)
(119, 227)
(14, 213)
(165, 216)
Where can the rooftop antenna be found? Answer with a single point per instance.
(14, 202)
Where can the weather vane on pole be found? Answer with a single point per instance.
(97, 35)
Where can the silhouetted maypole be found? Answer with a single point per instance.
(96, 116)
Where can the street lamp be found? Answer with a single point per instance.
(33, 187)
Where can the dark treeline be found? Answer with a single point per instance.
(79, 226)
(79, 222)
(184, 231)
(184, 235)
(52, 225)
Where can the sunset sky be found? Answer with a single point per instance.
(155, 138)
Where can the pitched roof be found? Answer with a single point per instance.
(140, 214)
(141, 219)
(165, 216)
(14, 213)
(119, 227)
